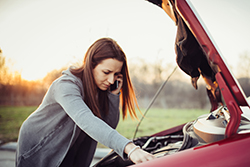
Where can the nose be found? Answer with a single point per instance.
(111, 79)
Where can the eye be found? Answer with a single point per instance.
(117, 73)
(106, 72)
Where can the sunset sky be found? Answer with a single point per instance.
(41, 35)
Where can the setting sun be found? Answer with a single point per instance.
(31, 75)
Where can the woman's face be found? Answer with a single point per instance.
(106, 72)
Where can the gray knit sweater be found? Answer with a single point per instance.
(63, 123)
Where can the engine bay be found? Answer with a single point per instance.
(205, 129)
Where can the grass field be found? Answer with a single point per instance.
(11, 119)
(155, 121)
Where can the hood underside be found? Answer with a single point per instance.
(197, 56)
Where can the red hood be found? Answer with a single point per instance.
(230, 91)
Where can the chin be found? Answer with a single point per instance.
(103, 88)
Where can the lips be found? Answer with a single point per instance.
(106, 86)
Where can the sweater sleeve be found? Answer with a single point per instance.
(68, 94)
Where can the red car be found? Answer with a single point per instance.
(220, 138)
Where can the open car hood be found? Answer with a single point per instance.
(194, 44)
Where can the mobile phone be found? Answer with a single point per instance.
(114, 86)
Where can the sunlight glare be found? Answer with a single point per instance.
(30, 75)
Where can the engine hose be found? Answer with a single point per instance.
(187, 139)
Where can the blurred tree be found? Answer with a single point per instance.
(16, 91)
(51, 76)
(4, 88)
(177, 93)
(244, 65)
(146, 77)
(3, 68)
(244, 72)
(245, 84)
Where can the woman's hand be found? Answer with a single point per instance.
(136, 154)
(120, 82)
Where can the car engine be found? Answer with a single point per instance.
(205, 129)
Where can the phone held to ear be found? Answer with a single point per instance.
(114, 86)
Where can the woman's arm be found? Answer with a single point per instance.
(67, 93)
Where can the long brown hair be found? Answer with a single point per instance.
(100, 50)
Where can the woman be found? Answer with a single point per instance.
(80, 110)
